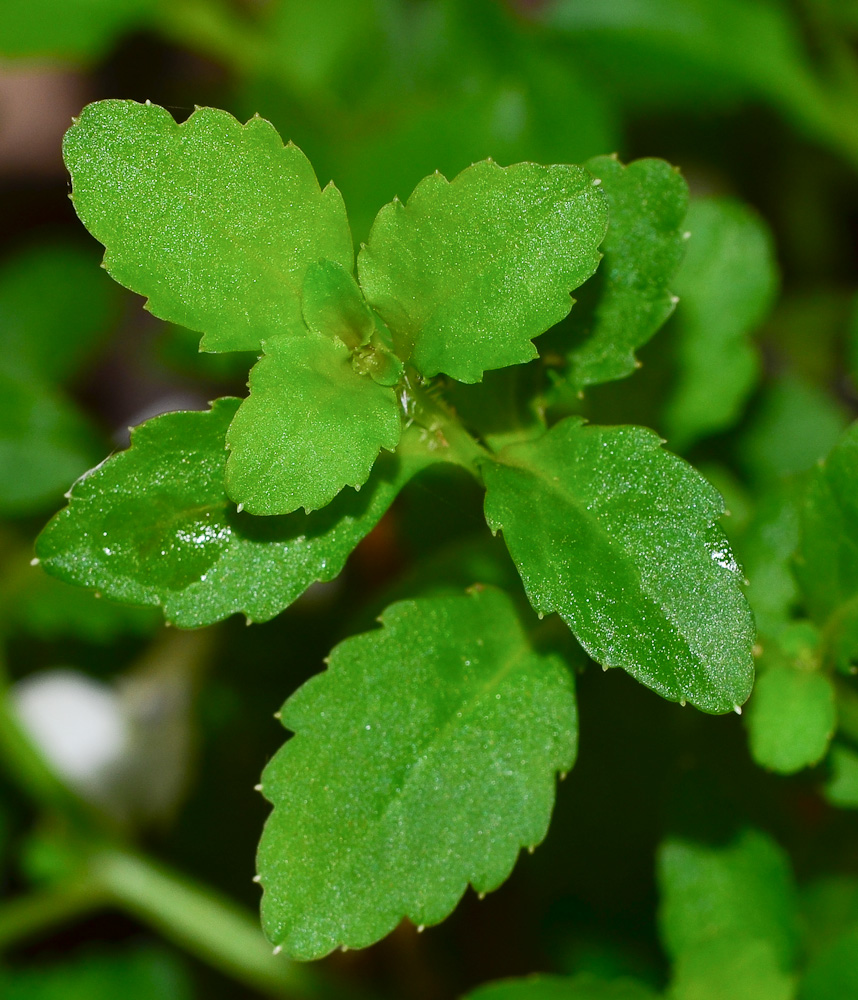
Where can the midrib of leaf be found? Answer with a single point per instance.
(556, 487)
(437, 741)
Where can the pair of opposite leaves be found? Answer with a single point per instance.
(227, 231)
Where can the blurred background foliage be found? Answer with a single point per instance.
(754, 378)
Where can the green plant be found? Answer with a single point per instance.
(425, 755)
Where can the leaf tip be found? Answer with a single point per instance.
(278, 715)
(481, 896)
(421, 928)
(737, 709)
(682, 703)
(277, 949)
(597, 181)
(257, 788)
(531, 848)
(35, 561)
(257, 879)
(239, 508)
(687, 234)
(148, 103)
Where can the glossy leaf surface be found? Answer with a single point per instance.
(469, 271)
(619, 537)
(741, 889)
(581, 987)
(213, 221)
(647, 204)
(153, 525)
(311, 426)
(726, 286)
(423, 760)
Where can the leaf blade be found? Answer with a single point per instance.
(644, 245)
(417, 794)
(470, 270)
(619, 538)
(216, 562)
(311, 426)
(213, 221)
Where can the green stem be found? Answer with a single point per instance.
(38, 912)
(446, 430)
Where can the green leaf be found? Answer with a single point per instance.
(833, 974)
(767, 550)
(214, 221)
(582, 987)
(153, 525)
(647, 204)
(45, 444)
(311, 426)
(75, 30)
(741, 890)
(334, 305)
(827, 560)
(794, 427)
(688, 53)
(731, 968)
(841, 789)
(46, 607)
(726, 286)
(55, 307)
(791, 716)
(141, 973)
(470, 270)
(619, 537)
(424, 759)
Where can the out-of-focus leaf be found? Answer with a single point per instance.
(581, 987)
(647, 205)
(741, 890)
(726, 285)
(74, 30)
(55, 307)
(49, 609)
(424, 759)
(766, 550)
(690, 52)
(45, 444)
(647, 582)
(827, 560)
(833, 973)
(794, 427)
(153, 525)
(791, 716)
(469, 271)
(841, 789)
(731, 968)
(311, 426)
(213, 221)
(131, 973)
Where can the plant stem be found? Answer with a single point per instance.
(37, 912)
(200, 921)
(434, 415)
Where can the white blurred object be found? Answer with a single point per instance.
(80, 726)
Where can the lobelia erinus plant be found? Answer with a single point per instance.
(424, 757)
